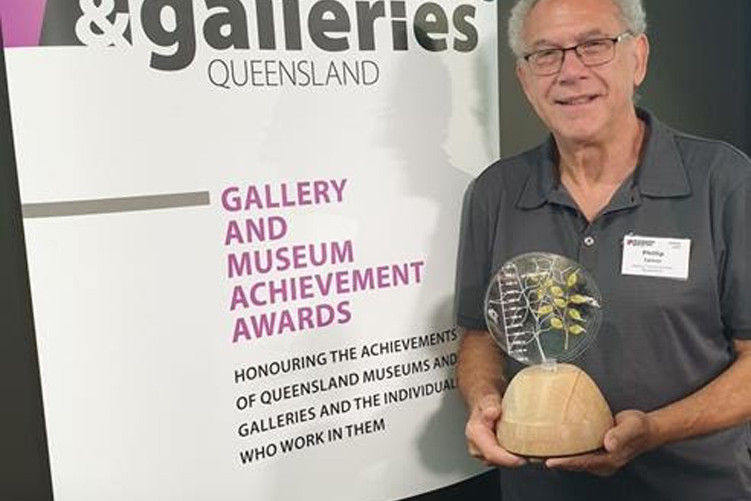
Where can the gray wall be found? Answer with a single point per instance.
(699, 77)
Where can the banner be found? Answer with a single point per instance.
(241, 222)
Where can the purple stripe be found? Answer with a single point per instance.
(22, 22)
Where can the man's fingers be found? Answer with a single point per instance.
(611, 441)
(629, 437)
(490, 412)
(483, 444)
(597, 464)
(481, 439)
(494, 454)
(501, 457)
(576, 463)
(629, 427)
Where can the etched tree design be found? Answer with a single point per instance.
(541, 296)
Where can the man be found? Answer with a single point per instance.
(673, 356)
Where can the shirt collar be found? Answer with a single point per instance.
(660, 173)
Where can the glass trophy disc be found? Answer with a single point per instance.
(543, 308)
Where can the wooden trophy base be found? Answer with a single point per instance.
(551, 411)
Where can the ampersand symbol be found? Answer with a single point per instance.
(94, 29)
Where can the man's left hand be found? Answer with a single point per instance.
(632, 434)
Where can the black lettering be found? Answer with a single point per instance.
(221, 77)
(235, 71)
(234, 17)
(265, 17)
(329, 16)
(465, 28)
(292, 24)
(430, 19)
(367, 13)
(182, 37)
(399, 37)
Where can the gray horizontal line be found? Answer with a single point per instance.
(111, 205)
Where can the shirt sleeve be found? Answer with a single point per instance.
(736, 283)
(473, 267)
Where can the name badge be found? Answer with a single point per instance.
(656, 257)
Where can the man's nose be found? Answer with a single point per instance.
(572, 66)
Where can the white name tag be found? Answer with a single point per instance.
(656, 257)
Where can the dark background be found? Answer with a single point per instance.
(24, 465)
(699, 81)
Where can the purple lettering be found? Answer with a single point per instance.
(362, 279)
(278, 292)
(343, 254)
(254, 294)
(298, 257)
(400, 274)
(343, 309)
(324, 285)
(233, 234)
(282, 258)
(286, 201)
(241, 330)
(339, 188)
(303, 193)
(305, 318)
(417, 266)
(285, 322)
(230, 199)
(238, 266)
(324, 315)
(270, 204)
(253, 198)
(238, 297)
(321, 189)
(263, 325)
(262, 266)
(382, 274)
(342, 281)
(306, 286)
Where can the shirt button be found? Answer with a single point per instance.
(589, 240)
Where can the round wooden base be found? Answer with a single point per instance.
(553, 411)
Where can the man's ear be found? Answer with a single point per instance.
(641, 59)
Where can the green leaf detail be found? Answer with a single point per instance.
(545, 310)
(571, 280)
(579, 299)
(573, 313)
(576, 329)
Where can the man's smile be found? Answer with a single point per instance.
(578, 100)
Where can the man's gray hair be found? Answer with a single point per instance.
(632, 15)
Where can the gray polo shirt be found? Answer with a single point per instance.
(661, 338)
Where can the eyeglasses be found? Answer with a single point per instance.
(595, 52)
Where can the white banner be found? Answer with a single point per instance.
(241, 223)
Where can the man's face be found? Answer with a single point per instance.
(579, 103)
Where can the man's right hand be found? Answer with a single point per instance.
(481, 438)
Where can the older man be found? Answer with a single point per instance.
(673, 356)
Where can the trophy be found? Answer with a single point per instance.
(545, 309)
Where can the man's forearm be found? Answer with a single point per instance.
(723, 403)
(480, 367)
